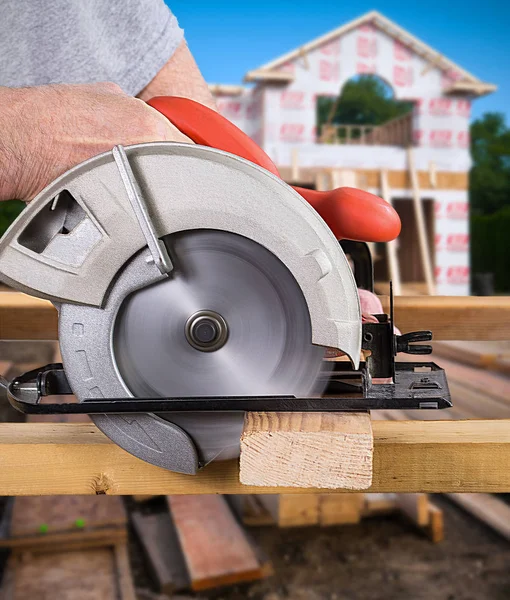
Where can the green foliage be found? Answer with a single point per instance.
(364, 100)
(8, 212)
(489, 194)
(490, 247)
(490, 177)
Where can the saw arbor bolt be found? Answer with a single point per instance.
(206, 331)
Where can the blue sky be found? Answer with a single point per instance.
(229, 38)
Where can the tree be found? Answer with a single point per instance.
(8, 212)
(364, 100)
(490, 176)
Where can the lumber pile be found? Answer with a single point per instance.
(304, 510)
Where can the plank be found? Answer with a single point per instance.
(409, 456)
(215, 548)
(158, 537)
(454, 317)
(487, 508)
(449, 317)
(292, 510)
(340, 509)
(67, 576)
(322, 450)
(421, 227)
(23, 317)
(60, 514)
(435, 527)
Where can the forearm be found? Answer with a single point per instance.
(12, 141)
(180, 77)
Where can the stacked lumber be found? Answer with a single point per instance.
(301, 510)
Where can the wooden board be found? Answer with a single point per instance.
(292, 510)
(454, 317)
(160, 543)
(449, 317)
(340, 509)
(87, 575)
(60, 513)
(322, 450)
(409, 456)
(215, 548)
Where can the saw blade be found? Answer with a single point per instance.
(229, 320)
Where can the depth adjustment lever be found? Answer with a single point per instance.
(405, 342)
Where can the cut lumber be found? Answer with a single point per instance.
(420, 225)
(321, 450)
(61, 514)
(449, 317)
(391, 246)
(161, 546)
(84, 575)
(292, 510)
(215, 547)
(454, 317)
(487, 508)
(409, 456)
(435, 527)
(340, 509)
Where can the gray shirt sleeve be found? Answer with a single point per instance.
(84, 41)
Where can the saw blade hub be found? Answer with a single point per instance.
(206, 330)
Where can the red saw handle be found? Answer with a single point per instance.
(350, 213)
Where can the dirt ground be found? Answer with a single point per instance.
(380, 559)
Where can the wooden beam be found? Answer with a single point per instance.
(420, 225)
(409, 456)
(449, 317)
(391, 246)
(454, 317)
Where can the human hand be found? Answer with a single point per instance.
(46, 130)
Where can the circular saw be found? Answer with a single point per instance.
(192, 285)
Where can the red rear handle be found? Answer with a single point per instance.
(350, 213)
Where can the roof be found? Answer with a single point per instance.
(436, 59)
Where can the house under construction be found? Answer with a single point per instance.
(418, 162)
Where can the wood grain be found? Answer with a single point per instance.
(215, 547)
(321, 450)
(409, 456)
(454, 317)
(448, 317)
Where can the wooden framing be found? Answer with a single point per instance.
(420, 226)
(397, 180)
(449, 317)
(409, 456)
(391, 247)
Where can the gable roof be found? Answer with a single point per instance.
(434, 58)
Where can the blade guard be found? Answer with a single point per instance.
(350, 213)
